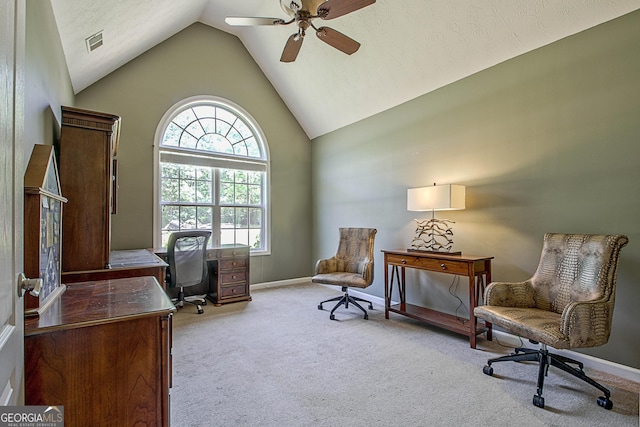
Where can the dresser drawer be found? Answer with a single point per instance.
(445, 265)
(233, 291)
(233, 277)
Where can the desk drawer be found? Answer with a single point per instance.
(443, 265)
(233, 277)
(233, 291)
(234, 253)
(230, 264)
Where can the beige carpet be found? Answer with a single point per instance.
(279, 361)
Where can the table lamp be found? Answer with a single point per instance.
(435, 235)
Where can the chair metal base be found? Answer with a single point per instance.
(345, 300)
(546, 359)
(197, 301)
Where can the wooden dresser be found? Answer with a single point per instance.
(102, 350)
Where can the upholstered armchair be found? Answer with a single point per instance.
(351, 267)
(567, 304)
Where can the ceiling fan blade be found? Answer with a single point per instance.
(336, 8)
(247, 21)
(338, 40)
(291, 49)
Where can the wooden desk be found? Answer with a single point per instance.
(476, 268)
(128, 263)
(102, 350)
(228, 274)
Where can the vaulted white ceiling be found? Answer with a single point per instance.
(409, 47)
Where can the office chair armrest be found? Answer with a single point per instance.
(366, 269)
(507, 294)
(587, 323)
(324, 266)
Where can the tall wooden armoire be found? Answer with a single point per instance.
(87, 150)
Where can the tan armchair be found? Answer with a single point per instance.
(351, 267)
(568, 303)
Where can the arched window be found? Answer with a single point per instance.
(212, 170)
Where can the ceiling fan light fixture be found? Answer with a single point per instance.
(302, 12)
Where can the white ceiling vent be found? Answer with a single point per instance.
(94, 41)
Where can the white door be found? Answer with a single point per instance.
(12, 22)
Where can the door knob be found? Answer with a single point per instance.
(31, 285)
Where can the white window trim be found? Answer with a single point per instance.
(222, 162)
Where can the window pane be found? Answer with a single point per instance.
(240, 149)
(172, 135)
(242, 194)
(202, 111)
(188, 141)
(184, 118)
(253, 149)
(255, 238)
(187, 217)
(242, 218)
(170, 190)
(227, 217)
(242, 237)
(205, 218)
(255, 218)
(255, 194)
(222, 128)
(226, 193)
(170, 218)
(169, 170)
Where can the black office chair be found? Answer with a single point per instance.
(187, 258)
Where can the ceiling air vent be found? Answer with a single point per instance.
(94, 41)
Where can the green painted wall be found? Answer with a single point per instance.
(201, 60)
(546, 142)
(47, 82)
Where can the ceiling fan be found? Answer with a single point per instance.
(303, 12)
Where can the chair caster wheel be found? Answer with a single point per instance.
(370, 306)
(332, 317)
(200, 310)
(487, 370)
(366, 317)
(320, 307)
(538, 401)
(605, 402)
(204, 302)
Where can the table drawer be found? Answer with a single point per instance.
(233, 277)
(233, 291)
(444, 265)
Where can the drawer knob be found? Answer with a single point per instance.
(404, 261)
(234, 276)
(442, 266)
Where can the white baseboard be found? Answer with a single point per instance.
(601, 365)
(288, 282)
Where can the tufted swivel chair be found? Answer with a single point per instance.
(351, 267)
(567, 304)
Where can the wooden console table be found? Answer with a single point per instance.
(103, 351)
(476, 268)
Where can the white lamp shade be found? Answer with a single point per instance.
(436, 198)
